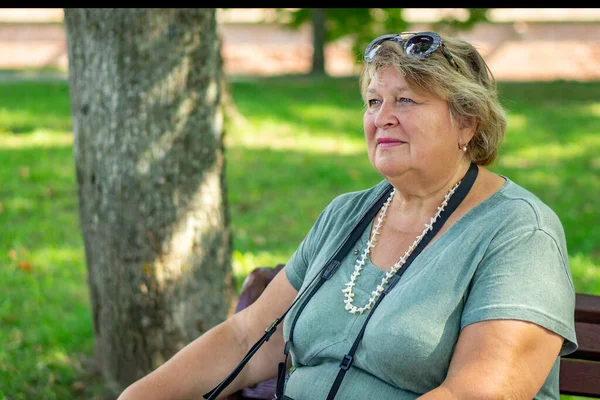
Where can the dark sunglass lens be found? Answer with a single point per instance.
(420, 45)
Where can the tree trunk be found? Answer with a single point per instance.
(145, 87)
(319, 18)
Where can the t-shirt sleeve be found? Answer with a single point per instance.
(296, 267)
(525, 277)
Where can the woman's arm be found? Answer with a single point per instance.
(499, 359)
(205, 362)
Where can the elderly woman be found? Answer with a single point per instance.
(443, 281)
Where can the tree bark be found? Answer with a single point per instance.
(145, 87)
(319, 19)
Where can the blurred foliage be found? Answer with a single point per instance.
(361, 25)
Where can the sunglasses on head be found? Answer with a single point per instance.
(417, 46)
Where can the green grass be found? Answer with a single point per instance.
(294, 146)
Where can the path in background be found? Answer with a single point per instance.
(515, 51)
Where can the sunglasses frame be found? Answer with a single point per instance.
(437, 43)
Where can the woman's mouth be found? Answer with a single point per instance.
(386, 143)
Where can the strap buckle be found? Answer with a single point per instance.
(346, 362)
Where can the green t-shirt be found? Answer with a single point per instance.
(505, 259)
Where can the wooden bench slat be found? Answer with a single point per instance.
(587, 308)
(579, 378)
(588, 339)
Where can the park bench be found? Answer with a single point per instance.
(579, 371)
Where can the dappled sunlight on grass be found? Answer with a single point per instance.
(329, 106)
(61, 254)
(541, 178)
(60, 265)
(44, 315)
(44, 308)
(38, 138)
(269, 134)
(56, 356)
(28, 106)
(586, 272)
(20, 122)
(19, 205)
(331, 119)
(552, 153)
(517, 122)
(592, 109)
(329, 114)
(48, 274)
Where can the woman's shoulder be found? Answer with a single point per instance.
(518, 206)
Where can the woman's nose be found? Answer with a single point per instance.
(386, 117)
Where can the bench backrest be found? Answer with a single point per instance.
(580, 371)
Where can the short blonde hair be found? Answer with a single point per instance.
(470, 92)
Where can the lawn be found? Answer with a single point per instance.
(292, 146)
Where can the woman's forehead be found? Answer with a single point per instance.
(392, 82)
(387, 77)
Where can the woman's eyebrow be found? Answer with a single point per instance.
(397, 89)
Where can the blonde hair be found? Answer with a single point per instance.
(470, 92)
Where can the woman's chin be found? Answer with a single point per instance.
(388, 171)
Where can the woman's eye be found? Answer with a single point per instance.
(404, 100)
(372, 102)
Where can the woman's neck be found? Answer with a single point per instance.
(417, 197)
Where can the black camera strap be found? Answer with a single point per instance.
(453, 203)
(324, 274)
(329, 268)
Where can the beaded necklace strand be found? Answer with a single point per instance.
(348, 291)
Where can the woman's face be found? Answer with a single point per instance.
(408, 130)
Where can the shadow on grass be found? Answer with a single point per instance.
(45, 324)
(24, 107)
(326, 104)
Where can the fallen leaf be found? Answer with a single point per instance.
(78, 386)
(12, 254)
(25, 266)
(16, 335)
(9, 319)
(259, 239)
(355, 174)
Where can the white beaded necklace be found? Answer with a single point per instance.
(348, 292)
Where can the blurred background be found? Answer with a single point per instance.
(291, 136)
(519, 44)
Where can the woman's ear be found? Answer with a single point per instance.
(468, 127)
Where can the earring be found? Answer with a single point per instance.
(464, 148)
